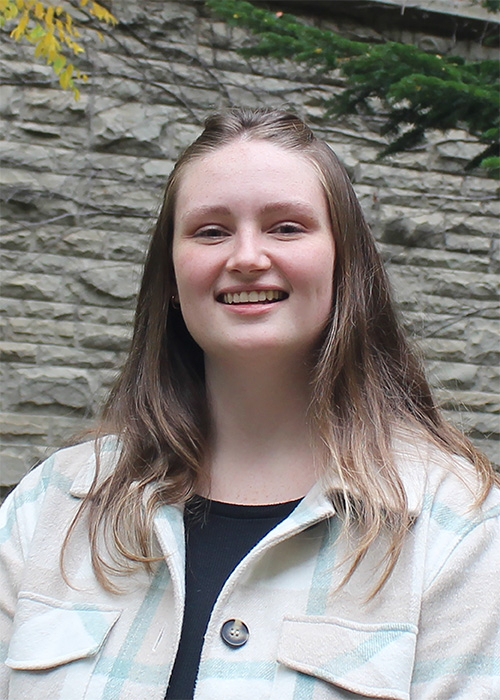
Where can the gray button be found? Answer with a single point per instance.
(234, 633)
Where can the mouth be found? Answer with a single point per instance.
(263, 296)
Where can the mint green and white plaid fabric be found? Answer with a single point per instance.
(431, 634)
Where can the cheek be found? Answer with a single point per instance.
(191, 275)
(316, 271)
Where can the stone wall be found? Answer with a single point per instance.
(83, 181)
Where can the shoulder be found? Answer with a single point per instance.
(431, 477)
(68, 472)
(453, 525)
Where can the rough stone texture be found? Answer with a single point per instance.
(83, 181)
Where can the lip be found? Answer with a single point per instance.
(252, 297)
(251, 308)
(236, 289)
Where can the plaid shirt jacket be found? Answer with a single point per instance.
(431, 633)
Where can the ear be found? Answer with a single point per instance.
(174, 299)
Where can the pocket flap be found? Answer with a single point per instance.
(374, 660)
(50, 632)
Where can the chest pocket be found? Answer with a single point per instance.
(49, 633)
(369, 660)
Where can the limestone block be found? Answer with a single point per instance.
(70, 241)
(469, 400)
(48, 264)
(54, 106)
(16, 460)
(429, 257)
(40, 429)
(104, 337)
(14, 239)
(24, 426)
(444, 283)
(18, 352)
(412, 181)
(21, 72)
(124, 199)
(462, 376)
(58, 355)
(131, 222)
(132, 124)
(118, 281)
(20, 329)
(27, 178)
(38, 309)
(444, 349)
(177, 137)
(495, 255)
(54, 387)
(459, 150)
(13, 465)
(475, 423)
(30, 285)
(124, 167)
(467, 243)
(156, 168)
(106, 315)
(483, 346)
(10, 100)
(425, 231)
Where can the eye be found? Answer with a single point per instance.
(211, 233)
(288, 229)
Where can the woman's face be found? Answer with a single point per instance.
(253, 251)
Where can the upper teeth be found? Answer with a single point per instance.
(245, 297)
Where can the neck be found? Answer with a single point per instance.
(261, 446)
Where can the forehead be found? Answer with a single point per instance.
(245, 167)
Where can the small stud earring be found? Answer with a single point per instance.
(174, 300)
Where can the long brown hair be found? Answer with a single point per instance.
(367, 380)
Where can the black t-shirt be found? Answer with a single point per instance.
(218, 537)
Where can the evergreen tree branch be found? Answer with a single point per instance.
(419, 90)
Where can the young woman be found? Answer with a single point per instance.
(273, 507)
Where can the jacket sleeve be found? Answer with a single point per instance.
(458, 646)
(18, 516)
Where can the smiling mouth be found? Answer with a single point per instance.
(264, 296)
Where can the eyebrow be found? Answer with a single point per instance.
(272, 207)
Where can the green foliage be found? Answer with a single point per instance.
(53, 32)
(491, 5)
(419, 90)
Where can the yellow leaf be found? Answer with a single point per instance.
(39, 11)
(100, 35)
(59, 11)
(83, 3)
(19, 31)
(102, 14)
(49, 17)
(60, 29)
(39, 49)
(20, 4)
(11, 11)
(66, 76)
(69, 23)
(76, 93)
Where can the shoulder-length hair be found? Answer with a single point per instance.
(366, 379)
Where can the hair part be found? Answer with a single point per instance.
(366, 381)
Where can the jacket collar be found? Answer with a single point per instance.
(109, 451)
(412, 458)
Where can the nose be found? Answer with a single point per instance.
(248, 253)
